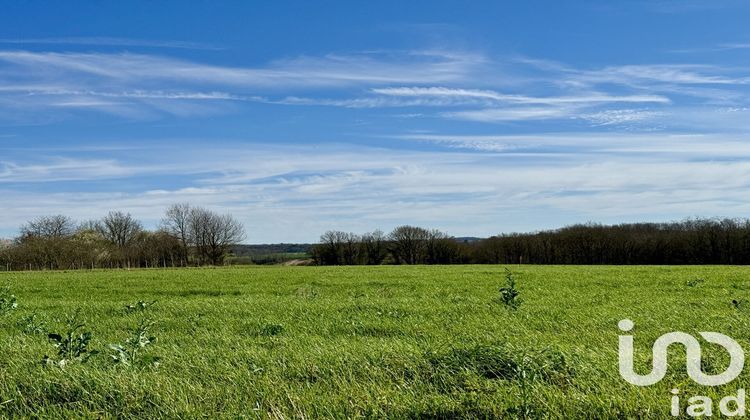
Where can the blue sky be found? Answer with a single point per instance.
(298, 117)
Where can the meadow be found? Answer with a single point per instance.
(348, 342)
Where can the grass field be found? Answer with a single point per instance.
(390, 341)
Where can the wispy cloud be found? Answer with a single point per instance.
(493, 106)
(370, 102)
(511, 114)
(138, 85)
(330, 70)
(620, 116)
(690, 74)
(587, 145)
(735, 46)
(53, 79)
(443, 92)
(112, 42)
(62, 169)
(670, 6)
(703, 81)
(294, 192)
(728, 46)
(134, 94)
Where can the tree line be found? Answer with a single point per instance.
(404, 245)
(692, 241)
(194, 236)
(187, 236)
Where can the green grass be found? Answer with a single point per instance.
(427, 341)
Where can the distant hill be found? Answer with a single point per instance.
(468, 239)
(266, 249)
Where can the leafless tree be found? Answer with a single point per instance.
(119, 228)
(350, 249)
(157, 249)
(119, 240)
(88, 225)
(121, 231)
(45, 241)
(442, 248)
(177, 222)
(374, 250)
(49, 227)
(409, 244)
(213, 234)
(330, 249)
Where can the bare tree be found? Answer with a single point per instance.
(374, 249)
(119, 240)
(119, 228)
(350, 249)
(49, 227)
(409, 244)
(330, 250)
(213, 234)
(157, 249)
(442, 248)
(177, 222)
(45, 241)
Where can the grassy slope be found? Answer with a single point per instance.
(372, 341)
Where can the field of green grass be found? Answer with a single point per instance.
(344, 342)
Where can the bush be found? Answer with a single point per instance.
(72, 344)
(7, 301)
(509, 295)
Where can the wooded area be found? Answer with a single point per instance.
(693, 241)
(193, 236)
(188, 236)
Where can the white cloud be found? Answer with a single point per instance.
(511, 114)
(141, 83)
(329, 70)
(620, 116)
(465, 184)
(368, 102)
(113, 42)
(62, 169)
(690, 74)
(583, 145)
(443, 92)
(146, 86)
(735, 46)
(293, 193)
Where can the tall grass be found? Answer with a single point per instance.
(396, 341)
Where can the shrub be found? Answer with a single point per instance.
(131, 352)
(32, 324)
(72, 345)
(7, 301)
(509, 295)
(139, 306)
